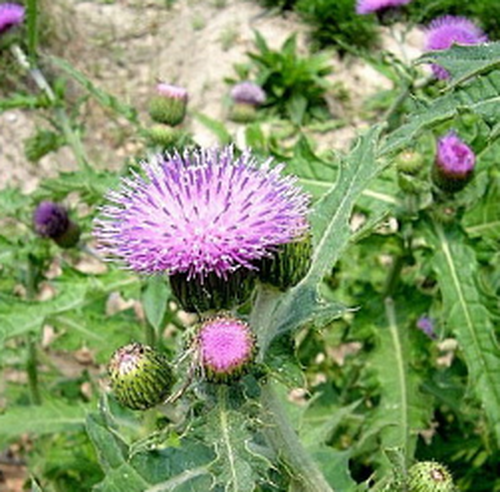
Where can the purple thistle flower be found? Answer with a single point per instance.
(201, 213)
(454, 164)
(226, 346)
(447, 30)
(248, 93)
(11, 15)
(50, 220)
(371, 6)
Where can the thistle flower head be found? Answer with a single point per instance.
(371, 6)
(50, 219)
(200, 213)
(248, 93)
(444, 31)
(168, 105)
(11, 15)
(454, 164)
(429, 476)
(226, 347)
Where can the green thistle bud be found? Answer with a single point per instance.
(409, 162)
(212, 292)
(165, 137)
(289, 264)
(227, 348)
(168, 105)
(140, 376)
(429, 476)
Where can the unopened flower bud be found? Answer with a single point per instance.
(429, 476)
(288, 265)
(227, 348)
(51, 220)
(409, 162)
(246, 96)
(140, 376)
(168, 105)
(165, 137)
(454, 164)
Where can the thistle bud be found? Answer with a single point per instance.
(11, 15)
(165, 137)
(168, 105)
(51, 220)
(212, 292)
(246, 96)
(454, 165)
(227, 348)
(288, 265)
(140, 376)
(409, 162)
(429, 476)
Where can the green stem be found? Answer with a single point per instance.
(71, 136)
(150, 334)
(260, 317)
(32, 371)
(283, 438)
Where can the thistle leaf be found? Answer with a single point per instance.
(456, 267)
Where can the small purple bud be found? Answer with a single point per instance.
(11, 15)
(248, 93)
(168, 105)
(454, 164)
(51, 220)
(447, 30)
(426, 324)
(227, 346)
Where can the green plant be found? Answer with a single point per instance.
(295, 85)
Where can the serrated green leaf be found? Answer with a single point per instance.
(464, 62)
(236, 467)
(37, 420)
(180, 469)
(402, 411)
(480, 96)
(456, 267)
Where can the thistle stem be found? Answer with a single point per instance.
(72, 138)
(260, 317)
(32, 371)
(284, 440)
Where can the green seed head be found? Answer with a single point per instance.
(140, 376)
(429, 476)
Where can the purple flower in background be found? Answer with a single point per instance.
(248, 93)
(426, 324)
(226, 346)
(454, 164)
(447, 30)
(371, 6)
(50, 220)
(11, 15)
(200, 213)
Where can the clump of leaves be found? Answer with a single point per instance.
(295, 85)
(335, 23)
(280, 4)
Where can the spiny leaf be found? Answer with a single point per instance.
(236, 467)
(456, 268)
(480, 96)
(401, 411)
(154, 300)
(464, 62)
